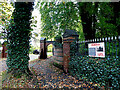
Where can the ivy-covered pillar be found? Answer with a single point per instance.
(68, 37)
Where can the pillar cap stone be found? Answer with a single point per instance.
(70, 33)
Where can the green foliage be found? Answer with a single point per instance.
(56, 17)
(112, 48)
(73, 49)
(58, 45)
(1, 44)
(104, 26)
(102, 71)
(57, 37)
(58, 42)
(97, 19)
(83, 49)
(49, 48)
(6, 10)
(18, 38)
(32, 48)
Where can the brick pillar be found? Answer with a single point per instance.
(41, 49)
(43, 53)
(5, 55)
(4, 51)
(66, 52)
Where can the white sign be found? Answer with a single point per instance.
(96, 49)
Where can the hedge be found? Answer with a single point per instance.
(103, 71)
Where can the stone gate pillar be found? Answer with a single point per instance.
(43, 51)
(68, 37)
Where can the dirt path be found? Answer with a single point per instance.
(51, 77)
(3, 65)
(48, 76)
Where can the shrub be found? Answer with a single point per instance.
(58, 42)
(104, 72)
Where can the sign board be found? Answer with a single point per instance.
(96, 49)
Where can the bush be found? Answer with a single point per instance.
(112, 48)
(104, 72)
(58, 39)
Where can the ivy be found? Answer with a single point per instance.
(18, 38)
(58, 42)
(73, 48)
(101, 71)
(104, 72)
(58, 45)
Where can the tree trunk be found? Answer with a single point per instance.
(86, 18)
(116, 10)
(95, 10)
(18, 38)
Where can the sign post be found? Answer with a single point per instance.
(96, 49)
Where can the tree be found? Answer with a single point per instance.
(88, 16)
(6, 10)
(58, 16)
(104, 26)
(96, 18)
(18, 37)
(116, 19)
